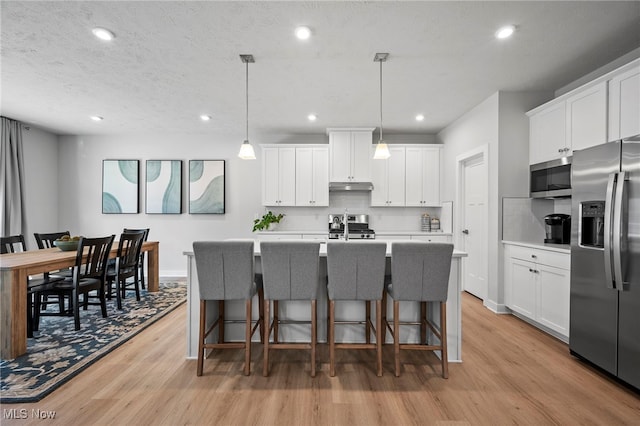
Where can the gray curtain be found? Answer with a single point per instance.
(12, 214)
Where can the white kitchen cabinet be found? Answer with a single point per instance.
(537, 286)
(624, 104)
(548, 132)
(422, 175)
(312, 176)
(350, 155)
(388, 178)
(587, 117)
(278, 175)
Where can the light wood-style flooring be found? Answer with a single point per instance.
(512, 374)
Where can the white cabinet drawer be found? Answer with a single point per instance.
(432, 238)
(543, 257)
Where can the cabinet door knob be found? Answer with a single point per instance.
(560, 150)
(465, 231)
(534, 256)
(530, 270)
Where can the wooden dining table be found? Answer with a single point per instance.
(15, 268)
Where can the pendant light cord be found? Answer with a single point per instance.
(381, 101)
(247, 97)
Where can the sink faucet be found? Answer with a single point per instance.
(345, 220)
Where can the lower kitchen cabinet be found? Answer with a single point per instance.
(537, 287)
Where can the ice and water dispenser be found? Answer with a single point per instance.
(592, 224)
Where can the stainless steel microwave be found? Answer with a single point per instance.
(551, 179)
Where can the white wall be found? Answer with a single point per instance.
(41, 183)
(499, 123)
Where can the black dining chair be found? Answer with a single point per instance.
(16, 244)
(89, 275)
(126, 266)
(45, 241)
(141, 263)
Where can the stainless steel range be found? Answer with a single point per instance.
(357, 227)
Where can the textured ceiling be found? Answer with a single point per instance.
(172, 61)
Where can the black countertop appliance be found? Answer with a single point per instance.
(557, 228)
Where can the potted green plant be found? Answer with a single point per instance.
(265, 223)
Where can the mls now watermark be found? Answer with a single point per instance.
(23, 414)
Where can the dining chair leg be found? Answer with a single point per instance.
(76, 310)
(103, 302)
(443, 340)
(247, 339)
(203, 316)
(379, 335)
(220, 321)
(119, 296)
(332, 342)
(314, 335)
(367, 321)
(396, 335)
(267, 328)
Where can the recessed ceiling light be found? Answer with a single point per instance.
(419, 117)
(205, 117)
(103, 34)
(312, 117)
(505, 32)
(96, 118)
(303, 33)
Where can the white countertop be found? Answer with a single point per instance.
(381, 233)
(323, 248)
(560, 248)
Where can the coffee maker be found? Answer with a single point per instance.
(558, 228)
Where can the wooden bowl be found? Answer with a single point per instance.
(66, 245)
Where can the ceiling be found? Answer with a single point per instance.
(172, 61)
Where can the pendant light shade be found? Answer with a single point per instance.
(382, 150)
(246, 149)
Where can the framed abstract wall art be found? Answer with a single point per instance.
(120, 186)
(206, 186)
(164, 187)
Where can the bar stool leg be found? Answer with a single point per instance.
(379, 335)
(423, 323)
(368, 321)
(396, 335)
(203, 315)
(443, 340)
(267, 329)
(221, 321)
(332, 339)
(247, 339)
(275, 321)
(314, 336)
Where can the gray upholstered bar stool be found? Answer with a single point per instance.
(419, 273)
(290, 270)
(226, 272)
(355, 271)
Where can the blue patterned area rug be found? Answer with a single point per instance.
(57, 352)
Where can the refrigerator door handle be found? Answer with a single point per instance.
(618, 232)
(608, 216)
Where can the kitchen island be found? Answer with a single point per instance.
(346, 310)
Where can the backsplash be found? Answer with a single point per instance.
(523, 218)
(405, 219)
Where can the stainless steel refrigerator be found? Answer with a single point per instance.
(605, 258)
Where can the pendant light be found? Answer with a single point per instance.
(246, 150)
(382, 151)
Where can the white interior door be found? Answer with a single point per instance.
(474, 225)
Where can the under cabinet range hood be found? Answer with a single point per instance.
(350, 186)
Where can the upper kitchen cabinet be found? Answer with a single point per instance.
(422, 175)
(587, 117)
(624, 103)
(571, 122)
(278, 175)
(548, 133)
(388, 178)
(312, 175)
(350, 154)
